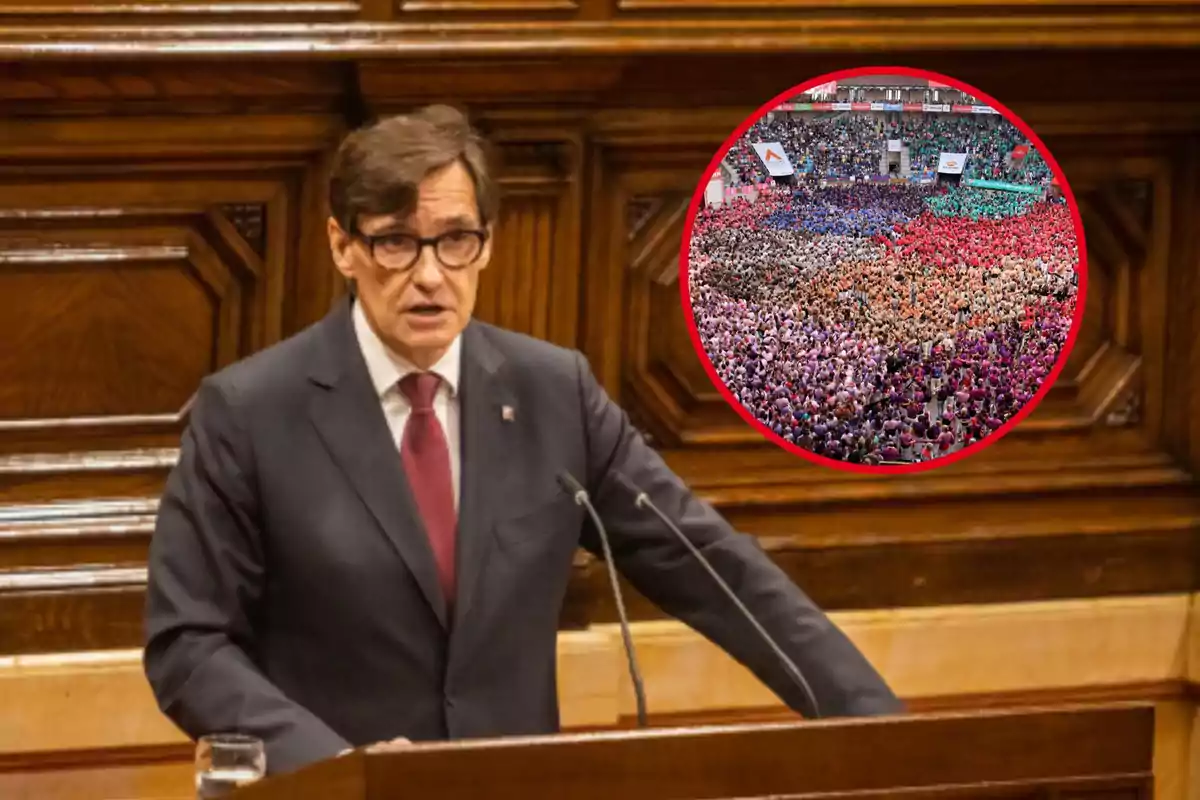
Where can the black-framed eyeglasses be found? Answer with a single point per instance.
(456, 249)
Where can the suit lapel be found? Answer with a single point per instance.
(487, 413)
(349, 418)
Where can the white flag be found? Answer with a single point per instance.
(951, 163)
(774, 158)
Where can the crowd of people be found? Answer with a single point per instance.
(862, 209)
(852, 146)
(914, 324)
(987, 140)
(974, 204)
(839, 147)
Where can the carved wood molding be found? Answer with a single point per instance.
(543, 81)
(532, 282)
(1139, 692)
(197, 219)
(1018, 28)
(1092, 532)
(209, 294)
(1177, 419)
(59, 90)
(56, 536)
(39, 142)
(107, 12)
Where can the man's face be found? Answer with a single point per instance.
(418, 311)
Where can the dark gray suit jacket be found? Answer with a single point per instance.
(292, 594)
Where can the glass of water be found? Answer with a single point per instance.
(225, 761)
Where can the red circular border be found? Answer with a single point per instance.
(936, 463)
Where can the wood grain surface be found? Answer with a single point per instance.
(162, 171)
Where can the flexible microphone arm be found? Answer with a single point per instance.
(642, 500)
(574, 488)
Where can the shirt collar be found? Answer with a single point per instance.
(386, 368)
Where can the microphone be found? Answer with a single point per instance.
(642, 500)
(574, 488)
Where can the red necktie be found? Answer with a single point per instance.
(427, 462)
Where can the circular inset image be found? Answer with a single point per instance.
(884, 270)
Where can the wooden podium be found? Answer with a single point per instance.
(1103, 753)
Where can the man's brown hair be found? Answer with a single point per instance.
(378, 168)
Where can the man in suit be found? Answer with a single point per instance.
(364, 539)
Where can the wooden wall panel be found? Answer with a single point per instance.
(530, 285)
(128, 330)
(119, 304)
(1180, 247)
(514, 290)
(162, 213)
(971, 657)
(152, 229)
(215, 166)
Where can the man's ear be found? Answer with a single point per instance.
(486, 257)
(339, 247)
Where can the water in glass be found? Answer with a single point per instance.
(226, 761)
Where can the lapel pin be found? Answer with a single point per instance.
(508, 413)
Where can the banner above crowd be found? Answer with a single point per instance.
(749, 192)
(714, 192)
(979, 183)
(926, 108)
(774, 159)
(951, 163)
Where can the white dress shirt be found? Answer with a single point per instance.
(387, 368)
